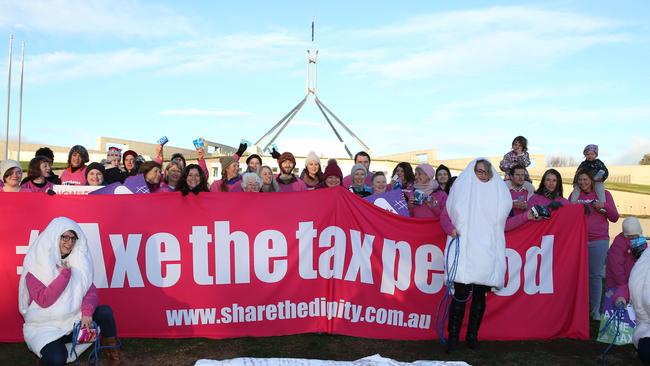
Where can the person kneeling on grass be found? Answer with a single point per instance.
(56, 291)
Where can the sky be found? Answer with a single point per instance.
(463, 78)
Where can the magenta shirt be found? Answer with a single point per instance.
(297, 186)
(424, 210)
(538, 199)
(619, 265)
(598, 223)
(522, 195)
(45, 296)
(233, 187)
(77, 178)
(29, 185)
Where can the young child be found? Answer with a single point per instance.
(600, 173)
(517, 156)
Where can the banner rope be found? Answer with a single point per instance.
(616, 318)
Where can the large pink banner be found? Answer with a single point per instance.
(222, 265)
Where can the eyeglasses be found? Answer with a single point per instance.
(481, 171)
(67, 238)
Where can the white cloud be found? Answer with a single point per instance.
(477, 41)
(94, 17)
(637, 148)
(204, 113)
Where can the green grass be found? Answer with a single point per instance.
(321, 346)
(627, 187)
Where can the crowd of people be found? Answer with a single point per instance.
(475, 205)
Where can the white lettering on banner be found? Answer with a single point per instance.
(330, 262)
(404, 266)
(162, 247)
(429, 259)
(400, 267)
(223, 237)
(537, 259)
(200, 238)
(360, 261)
(126, 260)
(270, 244)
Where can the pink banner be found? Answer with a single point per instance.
(222, 265)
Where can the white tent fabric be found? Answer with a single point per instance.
(366, 361)
(639, 284)
(479, 212)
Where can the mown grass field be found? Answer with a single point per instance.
(320, 346)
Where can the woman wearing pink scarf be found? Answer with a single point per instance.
(425, 200)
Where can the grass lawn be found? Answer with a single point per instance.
(626, 187)
(320, 346)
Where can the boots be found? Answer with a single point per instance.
(113, 353)
(476, 311)
(456, 315)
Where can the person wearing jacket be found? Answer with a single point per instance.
(312, 174)
(95, 174)
(37, 173)
(425, 184)
(599, 214)
(443, 174)
(621, 257)
(358, 186)
(269, 184)
(75, 173)
(549, 190)
(474, 219)
(598, 172)
(286, 179)
(172, 176)
(333, 176)
(253, 163)
(230, 178)
(56, 291)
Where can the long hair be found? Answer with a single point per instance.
(409, 176)
(169, 165)
(589, 173)
(34, 169)
(203, 183)
(275, 187)
(320, 177)
(522, 141)
(559, 192)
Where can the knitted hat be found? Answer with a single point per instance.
(226, 161)
(428, 170)
(113, 152)
(253, 156)
(332, 169)
(632, 226)
(311, 156)
(96, 166)
(83, 153)
(5, 165)
(592, 147)
(356, 167)
(127, 153)
(286, 156)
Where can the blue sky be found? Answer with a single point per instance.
(461, 77)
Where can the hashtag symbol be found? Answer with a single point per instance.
(399, 205)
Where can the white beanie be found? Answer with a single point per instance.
(5, 165)
(311, 156)
(632, 226)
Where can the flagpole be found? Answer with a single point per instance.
(11, 45)
(20, 99)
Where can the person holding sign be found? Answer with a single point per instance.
(474, 218)
(56, 291)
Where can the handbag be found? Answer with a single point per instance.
(616, 323)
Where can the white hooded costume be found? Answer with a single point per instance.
(45, 325)
(478, 211)
(639, 285)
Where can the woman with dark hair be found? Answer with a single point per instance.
(37, 173)
(95, 174)
(598, 216)
(253, 163)
(312, 174)
(151, 173)
(48, 153)
(56, 291)
(474, 218)
(403, 173)
(193, 180)
(379, 183)
(130, 164)
(269, 184)
(75, 173)
(549, 190)
(11, 174)
(443, 174)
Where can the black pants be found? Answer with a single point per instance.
(462, 292)
(644, 350)
(55, 353)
